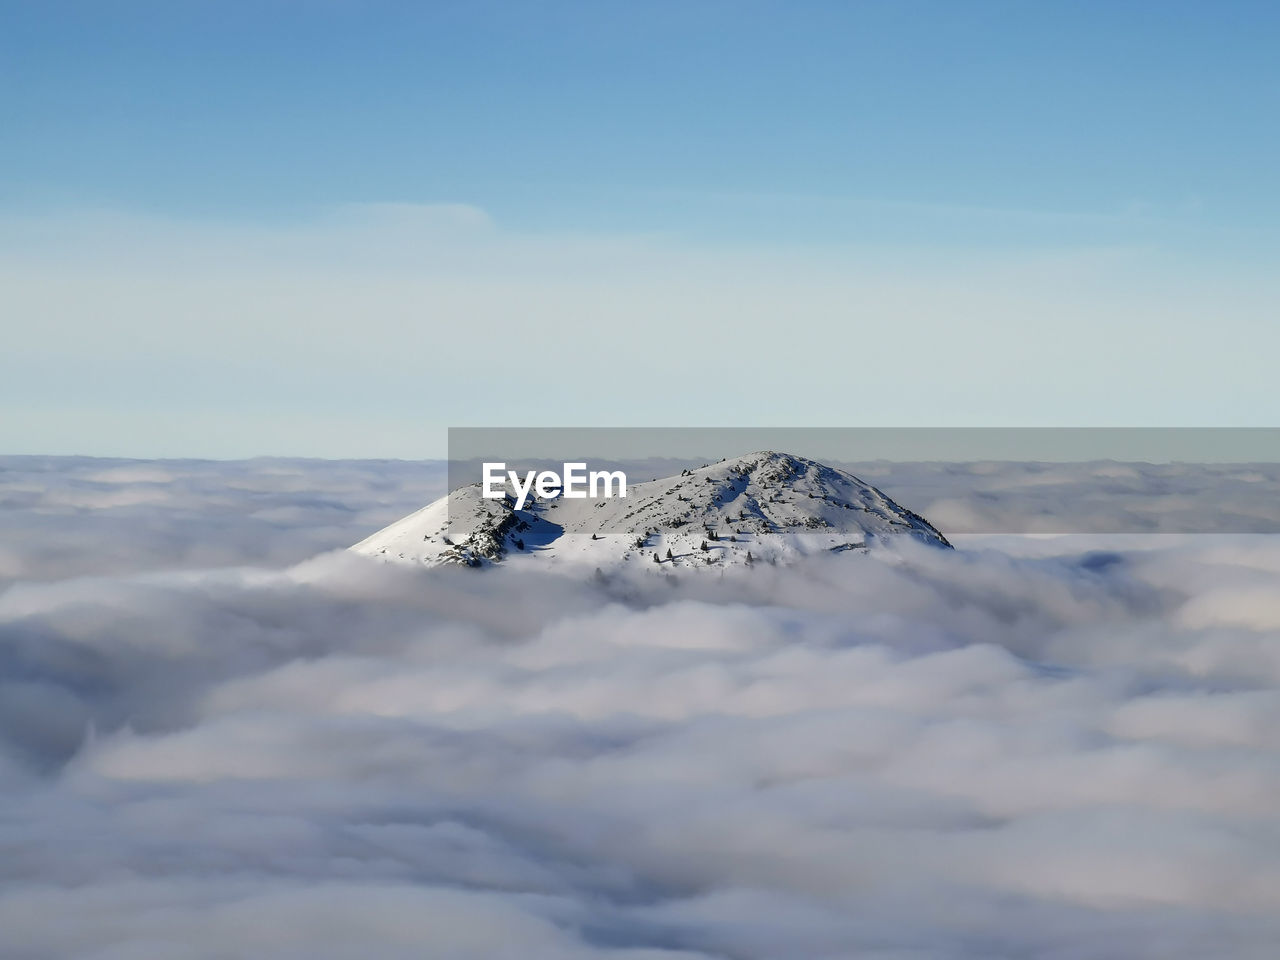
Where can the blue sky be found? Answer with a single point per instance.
(1114, 162)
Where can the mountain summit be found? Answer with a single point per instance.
(763, 507)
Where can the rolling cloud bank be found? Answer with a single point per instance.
(221, 736)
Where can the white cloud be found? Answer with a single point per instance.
(957, 755)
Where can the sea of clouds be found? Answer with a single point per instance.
(221, 737)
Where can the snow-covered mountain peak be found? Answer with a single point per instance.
(762, 507)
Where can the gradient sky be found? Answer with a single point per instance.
(335, 228)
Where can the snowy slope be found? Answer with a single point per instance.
(759, 508)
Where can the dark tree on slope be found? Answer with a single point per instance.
(668, 553)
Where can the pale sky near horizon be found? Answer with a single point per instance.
(336, 228)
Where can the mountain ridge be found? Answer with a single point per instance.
(765, 507)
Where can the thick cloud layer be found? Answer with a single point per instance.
(71, 516)
(1096, 497)
(1056, 752)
